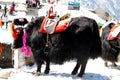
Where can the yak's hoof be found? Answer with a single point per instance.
(106, 65)
(37, 74)
(74, 73)
(80, 75)
(46, 71)
(30, 64)
(114, 64)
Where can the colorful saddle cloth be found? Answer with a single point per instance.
(114, 32)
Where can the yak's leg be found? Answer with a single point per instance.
(82, 70)
(47, 69)
(114, 64)
(38, 68)
(75, 70)
(106, 63)
(39, 61)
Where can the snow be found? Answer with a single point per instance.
(5, 36)
(95, 69)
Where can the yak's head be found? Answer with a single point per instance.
(17, 36)
(18, 33)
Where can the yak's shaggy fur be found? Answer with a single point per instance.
(110, 48)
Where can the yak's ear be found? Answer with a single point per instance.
(13, 31)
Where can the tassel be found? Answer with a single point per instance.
(25, 48)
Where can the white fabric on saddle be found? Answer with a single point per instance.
(50, 25)
(115, 32)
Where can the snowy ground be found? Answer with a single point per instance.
(95, 70)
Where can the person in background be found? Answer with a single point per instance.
(13, 4)
(38, 4)
(5, 21)
(27, 3)
(12, 8)
(4, 17)
(4, 11)
(34, 3)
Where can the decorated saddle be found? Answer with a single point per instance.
(54, 24)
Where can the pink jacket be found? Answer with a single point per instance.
(12, 8)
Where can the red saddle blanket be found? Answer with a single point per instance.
(0, 48)
(59, 26)
(114, 33)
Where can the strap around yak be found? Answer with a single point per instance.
(25, 48)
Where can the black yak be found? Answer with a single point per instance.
(110, 48)
(80, 42)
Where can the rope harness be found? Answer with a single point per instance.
(48, 43)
